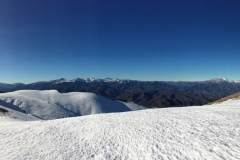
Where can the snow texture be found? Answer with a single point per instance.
(196, 133)
(51, 104)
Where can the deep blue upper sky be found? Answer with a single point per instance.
(130, 39)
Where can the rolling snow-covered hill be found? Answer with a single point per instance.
(206, 132)
(51, 104)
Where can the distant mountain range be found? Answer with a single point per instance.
(146, 93)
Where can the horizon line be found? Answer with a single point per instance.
(123, 79)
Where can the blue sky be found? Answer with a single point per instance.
(134, 39)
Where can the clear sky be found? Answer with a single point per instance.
(129, 39)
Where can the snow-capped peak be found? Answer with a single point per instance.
(87, 80)
(217, 80)
(108, 79)
(62, 80)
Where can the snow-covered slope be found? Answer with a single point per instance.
(229, 102)
(208, 132)
(51, 104)
(7, 115)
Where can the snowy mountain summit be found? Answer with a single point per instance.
(219, 80)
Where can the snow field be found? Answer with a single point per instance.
(196, 133)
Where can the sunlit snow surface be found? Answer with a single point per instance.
(207, 132)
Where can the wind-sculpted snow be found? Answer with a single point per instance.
(196, 133)
(51, 104)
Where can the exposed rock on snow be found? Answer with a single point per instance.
(7, 115)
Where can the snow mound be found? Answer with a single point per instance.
(208, 132)
(51, 104)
